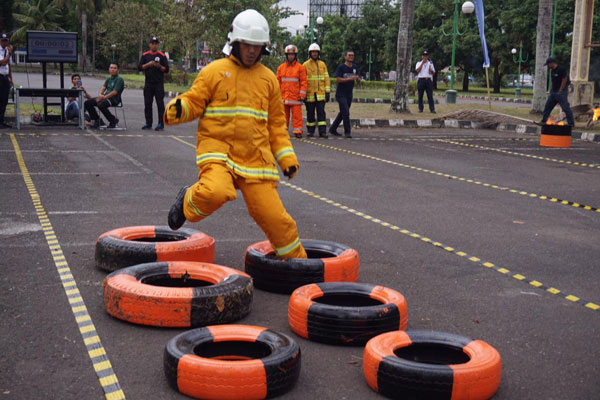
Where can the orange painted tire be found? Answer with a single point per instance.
(431, 365)
(232, 362)
(326, 262)
(134, 245)
(178, 294)
(345, 313)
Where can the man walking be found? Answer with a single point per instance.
(317, 93)
(292, 80)
(5, 76)
(345, 75)
(558, 92)
(425, 70)
(241, 134)
(154, 64)
(110, 95)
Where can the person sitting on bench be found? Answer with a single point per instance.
(72, 107)
(110, 95)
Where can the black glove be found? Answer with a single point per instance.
(327, 97)
(178, 110)
(290, 172)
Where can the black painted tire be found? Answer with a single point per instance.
(134, 245)
(345, 313)
(232, 362)
(431, 365)
(168, 294)
(327, 262)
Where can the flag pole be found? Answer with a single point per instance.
(487, 78)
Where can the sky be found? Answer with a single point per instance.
(295, 21)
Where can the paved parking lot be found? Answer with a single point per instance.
(485, 233)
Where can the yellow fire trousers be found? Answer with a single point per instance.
(217, 185)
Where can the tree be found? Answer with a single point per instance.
(40, 15)
(404, 58)
(115, 27)
(6, 16)
(542, 51)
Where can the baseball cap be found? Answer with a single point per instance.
(425, 53)
(4, 36)
(154, 39)
(550, 60)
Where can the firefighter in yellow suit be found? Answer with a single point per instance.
(241, 135)
(317, 93)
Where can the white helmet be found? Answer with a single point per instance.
(314, 47)
(250, 27)
(291, 49)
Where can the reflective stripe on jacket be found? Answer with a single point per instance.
(292, 80)
(241, 119)
(318, 80)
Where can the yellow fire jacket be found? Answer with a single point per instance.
(242, 120)
(318, 80)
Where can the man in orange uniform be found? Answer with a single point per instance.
(241, 133)
(292, 79)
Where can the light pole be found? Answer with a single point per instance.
(113, 46)
(370, 61)
(302, 28)
(519, 60)
(467, 8)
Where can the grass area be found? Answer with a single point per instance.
(372, 93)
(26, 109)
(382, 111)
(136, 81)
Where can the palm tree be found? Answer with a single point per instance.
(40, 15)
(404, 56)
(83, 7)
(542, 51)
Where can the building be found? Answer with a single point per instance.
(349, 8)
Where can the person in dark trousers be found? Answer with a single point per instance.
(5, 76)
(558, 92)
(345, 75)
(425, 71)
(154, 64)
(110, 95)
(317, 92)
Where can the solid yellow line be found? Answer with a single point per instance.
(62, 267)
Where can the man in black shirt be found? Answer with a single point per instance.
(558, 92)
(345, 75)
(154, 64)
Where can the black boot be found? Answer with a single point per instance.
(176, 216)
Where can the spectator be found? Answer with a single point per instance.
(154, 64)
(72, 107)
(6, 51)
(110, 95)
(425, 70)
(345, 75)
(292, 80)
(558, 92)
(318, 92)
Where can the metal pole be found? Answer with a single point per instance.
(370, 62)
(312, 31)
(520, 60)
(454, 34)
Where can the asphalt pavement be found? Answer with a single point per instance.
(485, 233)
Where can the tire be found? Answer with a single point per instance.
(134, 245)
(326, 262)
(431, 365)
(347, 313)
(183, 298)
(232, 362)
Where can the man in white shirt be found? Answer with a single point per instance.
(425, 70)
(5, 76)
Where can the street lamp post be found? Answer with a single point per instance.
(370, 61)
(467, 8)
(113, 46)
(519, 60)
(302, 28)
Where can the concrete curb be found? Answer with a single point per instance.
(453, 123)
(506, 99)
